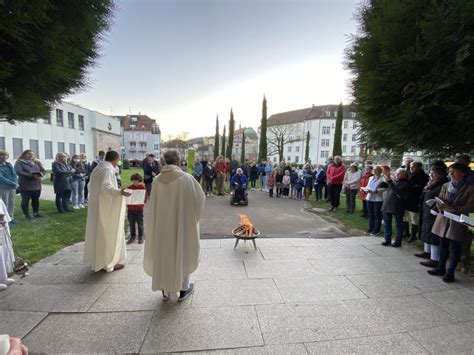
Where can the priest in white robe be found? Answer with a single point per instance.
(172, 229)
(104, 246)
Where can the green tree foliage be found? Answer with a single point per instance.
(46, 48)
(262, 149)
(230, 140)
(223, 143)
(216, 139)
(306, 152)
(413, 75)
(242, 155)
(337, 148)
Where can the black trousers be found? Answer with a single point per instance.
(449, 250)
(62, 199)
(26, 196)
(334, 194)
(135, 219)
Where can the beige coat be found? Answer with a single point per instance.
(172, 228)
(105, 234)
(462, 204)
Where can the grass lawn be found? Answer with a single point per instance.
(36, 239)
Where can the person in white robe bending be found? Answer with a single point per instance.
(172, 229)
(104, 244)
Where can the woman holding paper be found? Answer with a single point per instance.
(458, 198)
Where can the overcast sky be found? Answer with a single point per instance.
(182, 62)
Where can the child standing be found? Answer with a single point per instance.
(299, 187)
(271, 183)
(135, 212)
(279, 181)
(286, 184)
(293, 177)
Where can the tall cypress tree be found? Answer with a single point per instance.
(230, 140)
(216, 139)
(242, 156)
(337, 148)
(223, 143)
(306, 153)
(262, 149)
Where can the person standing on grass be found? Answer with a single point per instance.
(87, 167)
(293, 178)
(135, 212)
(364, 180)
(104, 244)
(221, 171)
(351, 186)
(197, 171)
(209, 176)
(98, 160)
(8, 184)
(416, 183)
(151, 168)
(319, 182)
(62, 182)
(172, 229)
(335, 176)
(30, 172)
(78, 182)
(375, 189)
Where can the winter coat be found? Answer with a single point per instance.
(299, 184)
(320, 176)
(27, 172)
(149, 169)
(268, 169)
(351, 180)
(8, 178)
(210, 172)
(253, 172)
(286, 180)
(364, 180)
(293, 177)
(335, 174)
(377, 194)
(463, 204)
(234, 164)
(239, 179)
(279, 178)
(416, 183)
(198, 169)
(394, 198)
(62, 177)
(426, 218)
(271, 181)
(79, 168)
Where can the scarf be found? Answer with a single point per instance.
(453, 189)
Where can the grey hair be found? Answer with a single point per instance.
(402, 171)
(172, 157)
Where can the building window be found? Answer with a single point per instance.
(326, 130)
(61, 147)
(2, 143)
(346, 124)
(289, 149)
(82, 148)
(343, 148)
(289, 158)
(297, 149)
(324, 153)
(353, 115)
(81, 122)
(156, 146)
(333, 125)
(35, 147)
(354, 125)
(59, 117)
(72, 149)
(334, 113)
(353, 149)
(48, 150)
(297, 159)
(344, 137)
(132, 144)
(328, 113)
(17, 147)
(274, 159)
(70, 120)
(354, 137)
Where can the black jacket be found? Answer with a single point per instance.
(426, 218)
(62, 177)
(416, 183)
(149, 169)
(394, 199)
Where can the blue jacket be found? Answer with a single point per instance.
(198, 170)
(308, 179)
(320, 176)
(268, 169)
(239, 179)
(299, 184)
(8, 177)
(293, 177)
(261, 169)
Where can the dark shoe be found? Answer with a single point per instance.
(27, 217)
(36, 215)
(436, 272)
(411, 239)
(331, 209)
(386, 244)
(13, 221)
(449, 278)
(396, 245)
(140, 241)
(430, 263)
(130, 241)
(118, 267)
(185, 294)
(166, 296)
(423, 255)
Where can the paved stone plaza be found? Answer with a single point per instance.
(292, 296)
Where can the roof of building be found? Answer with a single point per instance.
(310, 113)
(249, 132)
(138, 122)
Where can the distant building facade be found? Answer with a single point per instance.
(320, 121)
(140, 136)
(251, 144)
(69, 128)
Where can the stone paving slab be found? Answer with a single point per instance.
(119, 332)
(220, 270)
(458, 302)
(203, 329)
(386, 344)
(278, 268)
(287, 349)
(18, 324)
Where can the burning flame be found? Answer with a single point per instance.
(244, 220)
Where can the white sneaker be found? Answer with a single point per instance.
(82, 206)
(76, 207)
(9, 282)
(3, 287)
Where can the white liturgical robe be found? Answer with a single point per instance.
(105, 235)
(172, 228)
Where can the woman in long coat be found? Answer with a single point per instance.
(458, 197)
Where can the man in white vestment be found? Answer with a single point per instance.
(104, 246)
(172, 229)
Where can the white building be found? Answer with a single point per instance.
(320, 121)
(70, 128)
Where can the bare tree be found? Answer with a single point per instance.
(280, 135)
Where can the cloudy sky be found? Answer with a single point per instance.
(182, 62)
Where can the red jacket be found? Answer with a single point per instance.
(335, 174)
(221, 167)
(136, 208)
(364, 180)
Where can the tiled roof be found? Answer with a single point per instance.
(310, 113)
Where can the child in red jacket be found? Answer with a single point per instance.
(135, 212)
